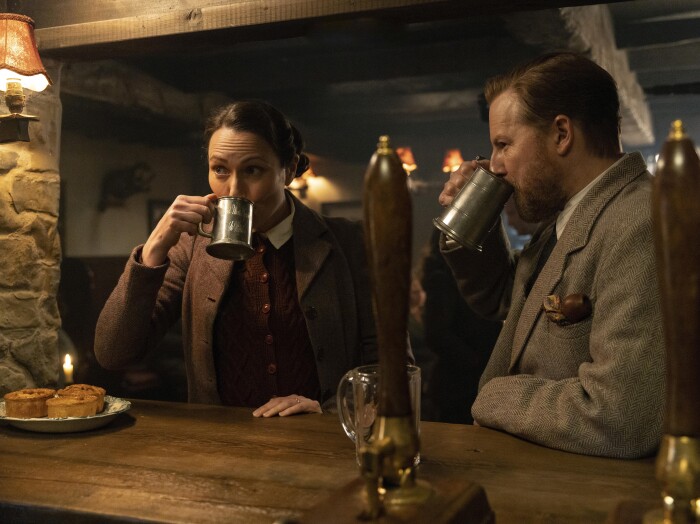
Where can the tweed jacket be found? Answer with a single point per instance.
(596, 386)
(332, 286)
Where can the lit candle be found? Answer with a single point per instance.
(68, 369)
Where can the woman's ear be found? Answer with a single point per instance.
(564, 134)
(291, 170)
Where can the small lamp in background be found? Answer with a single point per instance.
(453, 159)
(406, 156)
(301, 183)
(20, 67)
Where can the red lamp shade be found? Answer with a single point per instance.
(19, 57)
(453, 159)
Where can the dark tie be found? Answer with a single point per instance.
(544, 255)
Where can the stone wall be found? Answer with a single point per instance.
(30, 250)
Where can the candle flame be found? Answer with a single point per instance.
(67, 360)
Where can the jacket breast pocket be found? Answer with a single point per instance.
(570, 331)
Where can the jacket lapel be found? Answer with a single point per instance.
(214, 278)
(213, 274)
(219, 272)
(310, 248)
(574, 237)
(533, 303)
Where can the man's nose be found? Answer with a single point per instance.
(496, 164)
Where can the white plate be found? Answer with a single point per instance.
(113, 406)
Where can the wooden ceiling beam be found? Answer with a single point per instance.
(644, 33)
(75, 24)
(666, 57)
(258, 74)
(589, 29)
(139, 95)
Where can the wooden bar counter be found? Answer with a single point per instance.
(173, 462)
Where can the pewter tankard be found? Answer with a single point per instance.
(231, 234)
(474, 211)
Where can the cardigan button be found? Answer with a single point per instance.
(266, 308)
(272, 369)
(311, 313)
(264, 277)
(268, 339)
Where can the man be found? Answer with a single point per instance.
(579, 364)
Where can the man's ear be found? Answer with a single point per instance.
(563, 128)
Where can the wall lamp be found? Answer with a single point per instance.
(453, 159)
(301, 183)
(20, 68)
(407, 159)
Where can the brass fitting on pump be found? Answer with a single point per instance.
(678, 472)
(371, 461)
(387, 465)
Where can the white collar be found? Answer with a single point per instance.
(282, 231)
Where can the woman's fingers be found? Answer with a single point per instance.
(183, 216)
(290, 405)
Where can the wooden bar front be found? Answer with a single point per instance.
(176, 462)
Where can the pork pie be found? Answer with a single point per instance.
(85, 389)
(28, 403)
(72, 406)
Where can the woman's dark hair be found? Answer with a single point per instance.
(256, 116)
(570, 84)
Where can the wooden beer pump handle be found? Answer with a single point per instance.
(676, 190)
(387, 214)
(388, 490)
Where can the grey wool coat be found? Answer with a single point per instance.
(594, 387)
(332, 286)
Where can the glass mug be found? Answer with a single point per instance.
(358, 397)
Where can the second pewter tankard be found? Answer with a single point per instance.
(475, 209)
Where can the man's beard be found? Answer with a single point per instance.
(541, 196)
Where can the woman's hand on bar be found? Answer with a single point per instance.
(291, 405)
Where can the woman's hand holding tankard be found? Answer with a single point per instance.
(183, 216)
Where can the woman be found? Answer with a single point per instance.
(276, 332)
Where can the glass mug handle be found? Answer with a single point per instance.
(343, 397)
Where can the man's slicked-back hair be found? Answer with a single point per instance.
(570, 84)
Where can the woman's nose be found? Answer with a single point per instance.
(235, 186)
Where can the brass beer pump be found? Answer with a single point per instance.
(387, 461)
(389, 490)
(676, 212)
